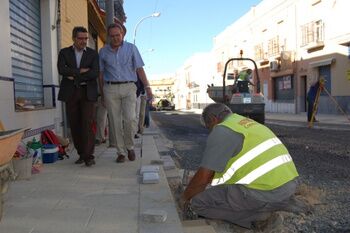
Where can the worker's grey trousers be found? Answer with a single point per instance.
(232, 204)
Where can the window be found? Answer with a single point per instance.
(259, 51)
(26, 58)
(273, 47)
(284, 91)
(312, 32)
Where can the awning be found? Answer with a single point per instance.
(324, 62)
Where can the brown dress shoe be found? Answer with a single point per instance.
(79, 161)
(120, 158)
(131, 155)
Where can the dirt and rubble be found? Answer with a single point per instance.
(322, 158)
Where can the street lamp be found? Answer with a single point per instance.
(155, 14)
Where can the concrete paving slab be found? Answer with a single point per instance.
(150, 178)
(149, 168)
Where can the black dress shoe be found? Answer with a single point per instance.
(79, 161)
(90, 162)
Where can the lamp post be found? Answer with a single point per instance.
(155, 14)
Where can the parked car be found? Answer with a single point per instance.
(165, 104)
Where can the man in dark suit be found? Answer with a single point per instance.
(79, 67)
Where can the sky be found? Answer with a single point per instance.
(184, 27)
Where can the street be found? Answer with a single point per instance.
(322, 158)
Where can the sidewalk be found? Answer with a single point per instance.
(336, 122)
(105, 198)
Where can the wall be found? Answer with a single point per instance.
(70, 19)
(5, 64)
(6, 84)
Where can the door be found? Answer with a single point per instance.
(303, 93)
(325, 72)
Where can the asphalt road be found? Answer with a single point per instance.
(322, 158)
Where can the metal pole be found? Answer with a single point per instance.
(109, 12)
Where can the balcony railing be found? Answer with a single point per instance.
(312, 33)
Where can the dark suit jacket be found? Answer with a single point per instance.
(67, 66)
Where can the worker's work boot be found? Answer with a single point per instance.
(297, 206)
(274, 223)
(188, 213)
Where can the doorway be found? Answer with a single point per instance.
(303, 93)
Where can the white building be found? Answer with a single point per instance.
(294, 43)
(192, 81)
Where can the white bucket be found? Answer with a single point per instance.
(23, 168)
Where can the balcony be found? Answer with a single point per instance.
(313, 35)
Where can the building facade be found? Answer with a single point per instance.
(192, 81)
(294, 42)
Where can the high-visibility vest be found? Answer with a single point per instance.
(243, 76)
(263, 163)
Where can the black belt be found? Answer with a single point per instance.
(113, 82)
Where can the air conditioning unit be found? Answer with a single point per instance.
(286, 55)
(274, 66)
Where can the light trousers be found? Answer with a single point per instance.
(101, 124)
(120, 101)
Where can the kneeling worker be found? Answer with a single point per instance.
(248, 167)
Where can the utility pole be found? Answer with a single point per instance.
(109, 12)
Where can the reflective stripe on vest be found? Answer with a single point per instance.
(265, 168)
(245, 159)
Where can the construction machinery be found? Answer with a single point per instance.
(242, 97)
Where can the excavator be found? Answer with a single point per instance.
(242, 97)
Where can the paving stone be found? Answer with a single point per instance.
(149, 168)
(157, 161)
(154, 216)
(168, 165)
(172, 173)
(166, 158)
(150, 178)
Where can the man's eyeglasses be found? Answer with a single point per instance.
(82, 38)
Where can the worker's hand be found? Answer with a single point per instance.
(183, 203)
(70, 77)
